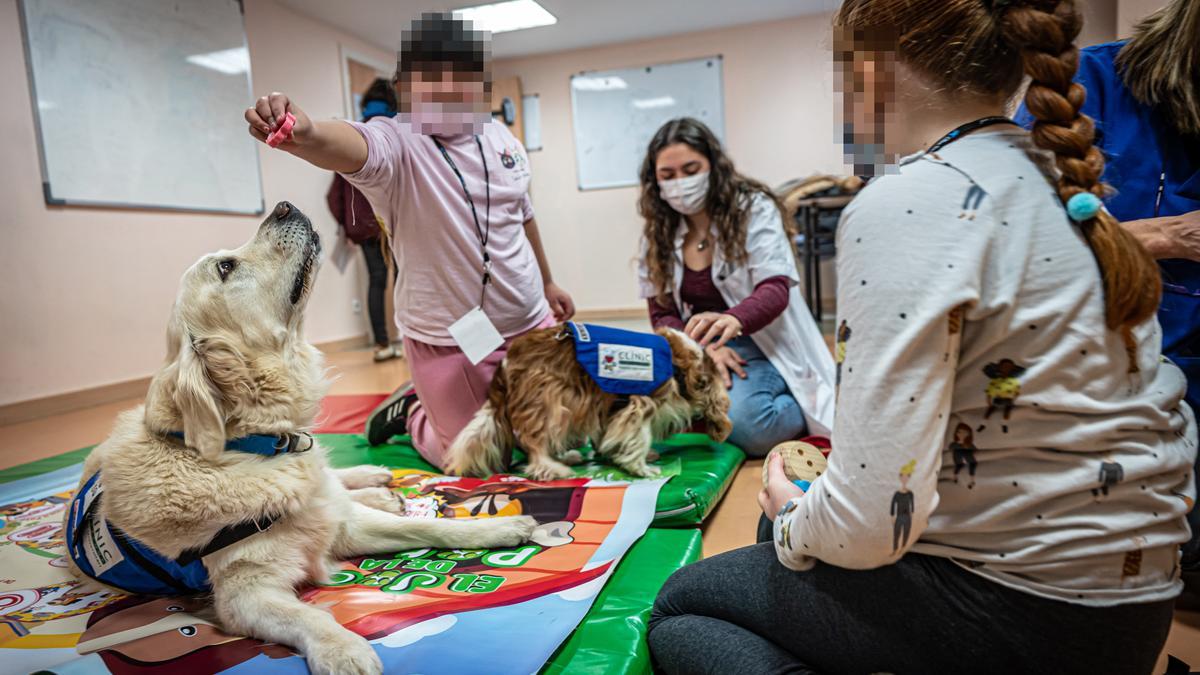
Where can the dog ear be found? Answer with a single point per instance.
(196, 397)
(713, 399)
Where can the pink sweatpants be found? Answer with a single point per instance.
(449, 392)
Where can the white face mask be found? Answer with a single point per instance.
(686, 195)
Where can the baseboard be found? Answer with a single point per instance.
(25, 411)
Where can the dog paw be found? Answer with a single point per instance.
(506, 531)
(572, 458)
(379, 498)
(549, 471)
(365, 476)
(351, 655)
(644, 471)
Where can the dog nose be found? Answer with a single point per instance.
(282, 209)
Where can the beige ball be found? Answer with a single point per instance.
(801, 461)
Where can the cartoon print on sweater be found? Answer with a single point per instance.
(1132, 565)
(972, 201)
(843, 336)
(954, 324)
(1004, 388)
(903, 505)
(963, 447)
(1111, 473)
(783, 537)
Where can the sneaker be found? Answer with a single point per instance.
(390, 418)
(386, 353)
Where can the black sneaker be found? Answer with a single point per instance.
(390, 418)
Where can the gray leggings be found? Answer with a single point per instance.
(743, 612)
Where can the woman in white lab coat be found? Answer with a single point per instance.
(717, 262)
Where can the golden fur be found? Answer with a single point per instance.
(237, 364)
(544, 401)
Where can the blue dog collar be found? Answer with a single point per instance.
(261, 444)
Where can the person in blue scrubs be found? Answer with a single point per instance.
(1144, 95)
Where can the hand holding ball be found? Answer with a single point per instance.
(802, 462)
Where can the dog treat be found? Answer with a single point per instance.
(284, 132)
(802, 462)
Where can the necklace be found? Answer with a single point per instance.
(703, 244)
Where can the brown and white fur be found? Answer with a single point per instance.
(544, 401)
(237, 364)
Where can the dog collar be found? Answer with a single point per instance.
(261, 444)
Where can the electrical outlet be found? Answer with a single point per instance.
(356, 305)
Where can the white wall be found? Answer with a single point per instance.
(85, 293)
(1129, 12)
(779, 124)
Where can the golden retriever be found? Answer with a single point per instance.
(544, 401)
(238, 367)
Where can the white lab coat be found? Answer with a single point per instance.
(792, 342)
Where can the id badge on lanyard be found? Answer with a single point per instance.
(474, 332)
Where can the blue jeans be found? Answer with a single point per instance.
(762, 409)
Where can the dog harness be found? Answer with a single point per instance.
(622, 362)
(108, 555)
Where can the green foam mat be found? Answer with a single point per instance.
(612, 637)
(702, 470)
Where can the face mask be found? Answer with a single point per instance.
(444, 119)
(686, 195)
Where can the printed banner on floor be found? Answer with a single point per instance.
(425, 611)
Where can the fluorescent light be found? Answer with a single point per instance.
(647, 103)
(584, 83)
(502, 17)
(228, 61)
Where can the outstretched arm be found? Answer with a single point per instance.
(332, 145)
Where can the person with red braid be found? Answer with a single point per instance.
(982, 285)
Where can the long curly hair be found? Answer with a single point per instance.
(730, 195)
(985, 47)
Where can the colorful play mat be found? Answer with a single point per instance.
(578, 596)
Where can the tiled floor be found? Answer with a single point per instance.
(732, 525)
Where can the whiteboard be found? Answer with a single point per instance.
(616, 113)
(139, 103)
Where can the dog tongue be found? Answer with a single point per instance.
(284, 132)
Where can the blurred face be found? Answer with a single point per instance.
(866, 79)
(436, 99)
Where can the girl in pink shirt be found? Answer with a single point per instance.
(452, 185)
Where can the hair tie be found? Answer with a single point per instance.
(1083, 207)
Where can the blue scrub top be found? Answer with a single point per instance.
(1145, 155)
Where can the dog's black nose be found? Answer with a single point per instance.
(282, 209)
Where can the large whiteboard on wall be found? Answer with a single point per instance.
(139, 103)
(616, 113)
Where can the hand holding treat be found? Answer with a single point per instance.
(802, 462)
(276, 121)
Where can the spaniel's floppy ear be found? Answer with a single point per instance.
(197, 399)
(709, 394)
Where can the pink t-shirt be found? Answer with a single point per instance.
(416, 193)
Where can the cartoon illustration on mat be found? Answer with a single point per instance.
(903, 505)
(843, 336)
(963, 447)
(1003, 390)
(397, 598)
(23, 609)
(1111, 473)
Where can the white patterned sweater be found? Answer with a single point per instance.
(985, 412)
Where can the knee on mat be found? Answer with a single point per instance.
(675, 590)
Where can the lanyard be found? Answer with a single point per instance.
(966, 129)
(484, 233)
